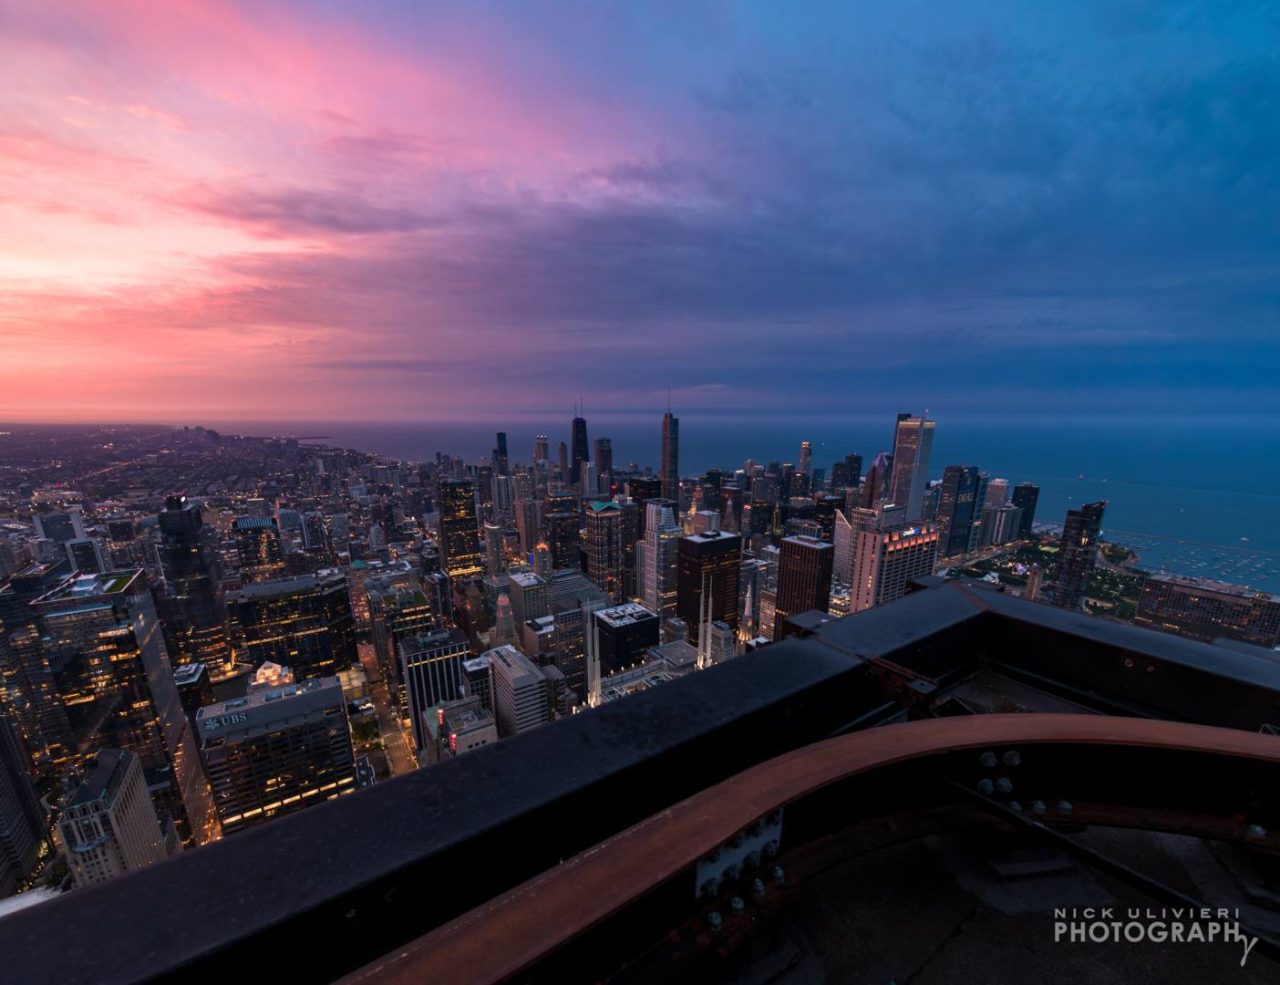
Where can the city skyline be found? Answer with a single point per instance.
(559, 490)
(1040, 212)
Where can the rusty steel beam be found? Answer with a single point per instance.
(509, 934)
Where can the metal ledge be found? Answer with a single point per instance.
(509, 935)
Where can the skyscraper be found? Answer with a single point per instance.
(620, 636)
(805, 468)
(707, 574)
(431, 667)
(32, 699)
(396, 612)
(960, 510)
(562, 538)
(1000, 524)
(997, 494)
(460, 554)
(541, 448)
(912, 446)
(581, 448)
(846, 474)
(888, 554)
(108, 658)
(277, 751)
(657, 560)
(804, 578)
(605, 547)
(877, 485)
(24, 833)
(110, 825)
(604, 457)
(501, 466)
(642, 489)
(194, 621)
(495, 556)
(257, 540)
(304, 623)
(1079, 553)
(1025, 497)
(671, 456)
(61, 526)
(519, 691)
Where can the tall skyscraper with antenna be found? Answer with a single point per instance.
(671, 455)
(581, 449)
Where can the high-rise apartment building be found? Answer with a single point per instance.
(460, 554)
(1000, 525)
(1078, 555)
(912, 447)
(277, 751)
(997, 494)
(110, 826)
(804, 578)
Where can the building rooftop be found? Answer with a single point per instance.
(627, 614)
(807, 541)
(254, 523)
(569, 589)
(1209, 585)
(103, 777)
(711, 537)
(287, 586)
(185, 674)
(257, 711)
(90, 586)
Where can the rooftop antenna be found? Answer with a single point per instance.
(668, 398)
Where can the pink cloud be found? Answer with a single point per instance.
(182, 184)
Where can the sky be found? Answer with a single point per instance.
(214, 211)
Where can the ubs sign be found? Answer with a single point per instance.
(222, 721)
